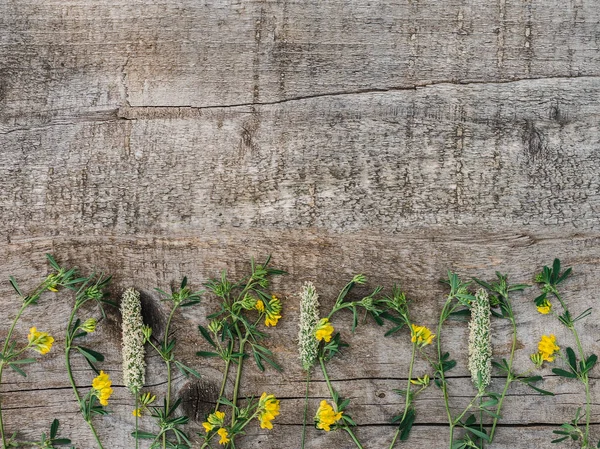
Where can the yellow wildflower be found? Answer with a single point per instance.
(547, 347)
(260, 306)
(223, 434)
(214, 420)
(324, 330)
(137, 412)
(273, 311)
(326, 416)
(101, 384)
(39, 341)
(421, 335)
(269, 409)
(545, 307)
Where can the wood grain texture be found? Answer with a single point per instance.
(399, 139)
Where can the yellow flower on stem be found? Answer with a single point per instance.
(547, 347)
(544, 307)
(269, 409)
(224, 436)
(101, 384)
(137, 412)
(260, 306)
(324, 330)
(326, 416)
(273, 310)
(214, 420)
(421, 335)
(40, 341)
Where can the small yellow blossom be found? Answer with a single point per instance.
(324, 330)
(260, 306)
(421, 335)
(424, 381)
(269, 409)
(223, 434)
(326, 416)
(39, 341)
(273, 311)
(214, 420)
(547, 347)
(545, 307)
(137, 412)
(101, 384)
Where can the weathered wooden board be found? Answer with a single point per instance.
(397, 139)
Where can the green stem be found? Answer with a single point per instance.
(407, 403)
(238, 377)
(588, 405)
(477, 396)
(584, 380)
(168, 361)
(4, 351)
(224, 382)
(331, 392)
(305, 408)
(95, 434)
(137, 443)
(1, 419)
(509, 379)
(440, 369)
(68, 343)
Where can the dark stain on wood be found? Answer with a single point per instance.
(199, 399)
(535, 142)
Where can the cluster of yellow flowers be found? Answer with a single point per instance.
(269, 409)
(273, 312)
(326, 416)
(102, 390)
(324, 330)
(544, 307)
(421, 335)
(547, 349)
(216, 420)
(39, 341)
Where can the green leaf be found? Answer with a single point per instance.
(54, 428)
(558, 440)
(572, 359)
(52, 262)
(61, 441)
(484, 436)
(564, 275)
(591, 361)
(22, 361)
(563, 373)
(14, 284)
(17, 369)
(186, 370)
(90, 354)
(207, 354)
(555, 271)
(206, 335)
(143, 435)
